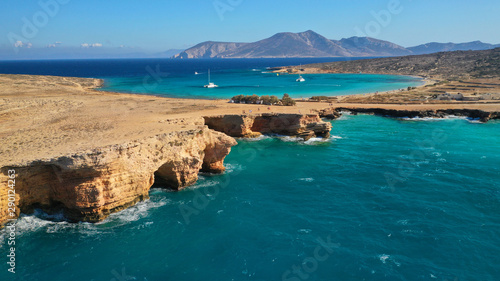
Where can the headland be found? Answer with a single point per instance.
(92, 153)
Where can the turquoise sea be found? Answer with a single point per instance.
(382, 199)
(260, 82)
(177, 78)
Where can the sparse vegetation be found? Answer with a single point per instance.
(266, 100)
(319, 98)
(287, 100)
(453, 66)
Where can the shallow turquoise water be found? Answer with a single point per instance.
(388, 199)
(259, 82)
(177, 78)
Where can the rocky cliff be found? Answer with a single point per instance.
(304, 126)
(90, 185)
(483, 116)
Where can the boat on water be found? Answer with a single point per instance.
(210, 84)
(196, 73)
(300, 79)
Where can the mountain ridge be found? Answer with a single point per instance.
(312, 44)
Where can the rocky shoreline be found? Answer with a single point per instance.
(88, 186)
(482, 116)
(303, 126)
(72, 153)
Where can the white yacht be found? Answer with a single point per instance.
(300, 79)
(210, 84)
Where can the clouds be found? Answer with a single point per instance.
(94, 45)
(21, 44)
(54, 45)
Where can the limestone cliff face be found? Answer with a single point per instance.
(483, 116)
(304, 126)
(90, 185)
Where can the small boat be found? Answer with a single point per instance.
(196, 73)
(300, 79)
(210, 84)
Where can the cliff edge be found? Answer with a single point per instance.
(304, 126)
(90, 185)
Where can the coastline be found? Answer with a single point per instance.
(93, 153)
(149, 114)
(63, 134)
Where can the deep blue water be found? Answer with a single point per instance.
(383, 199)
(177, 78)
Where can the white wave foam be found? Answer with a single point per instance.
(202, 183)
(306, 179)
(291, 139)
(230, 168)
(402, 222)
(39, 221)
(259, 138)
(384, 258)
(447, 117)
(343, 117)
(316, 140)
(311, 141)
(421, 118)
(136, 212)
(30, 223)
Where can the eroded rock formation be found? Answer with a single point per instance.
(90, 185)
(483, 116)
(304, 126)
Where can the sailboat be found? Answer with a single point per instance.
(300, 79)
(210, 84)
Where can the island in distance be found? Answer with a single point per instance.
(312, 44)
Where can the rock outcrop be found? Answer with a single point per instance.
(90, 185)
(483, 116)
(330, 113)
(304, 126)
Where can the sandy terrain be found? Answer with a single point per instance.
(44, 116)
(432, 87)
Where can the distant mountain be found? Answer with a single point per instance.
(447, 47)
(312, 44)
(366, 46)
(303, 44)
(168, 53)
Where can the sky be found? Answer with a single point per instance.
(156, 26)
